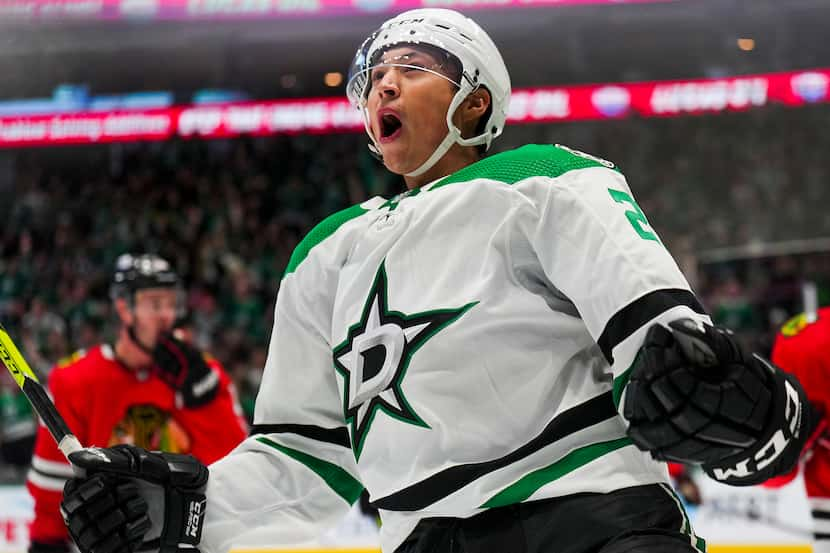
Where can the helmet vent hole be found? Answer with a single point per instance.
(442, 27)
(465, 36)
(412, 32)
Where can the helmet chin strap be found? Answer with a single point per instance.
(453, 136)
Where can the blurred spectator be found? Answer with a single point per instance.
(245, 369)
(17, 430)
(732, 306)
(44, 336)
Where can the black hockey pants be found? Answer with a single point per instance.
(641, 519)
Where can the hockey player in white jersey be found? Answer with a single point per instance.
(503, 355)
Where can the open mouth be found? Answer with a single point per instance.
(390, 127)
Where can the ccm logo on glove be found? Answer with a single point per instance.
(774, 446)
(194, 520)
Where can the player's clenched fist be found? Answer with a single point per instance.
(129, 499)
(695, 396)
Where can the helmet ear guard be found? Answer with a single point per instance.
(460, 38)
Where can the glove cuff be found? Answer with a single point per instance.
(184, 502)
(183, 525)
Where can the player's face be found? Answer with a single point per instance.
(154, 313)
(408, 108)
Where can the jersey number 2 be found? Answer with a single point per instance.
(635, 216)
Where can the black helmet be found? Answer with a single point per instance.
(136, 272)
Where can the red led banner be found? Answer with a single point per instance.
(328, 115)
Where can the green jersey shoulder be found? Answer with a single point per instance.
(532, 160)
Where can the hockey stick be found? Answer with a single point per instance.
(27, 380)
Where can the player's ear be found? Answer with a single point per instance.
(124, 312)
(475, 106)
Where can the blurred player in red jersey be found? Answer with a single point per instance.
(803, 349)
(151, 389)
(684, 483)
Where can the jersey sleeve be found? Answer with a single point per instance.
(50, 469)
(208, 444)
(597, 248)
(296, 475)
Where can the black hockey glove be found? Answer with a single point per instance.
(694, 396)
(135, 500)
(184, 369)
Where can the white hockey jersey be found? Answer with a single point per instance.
(462, 346)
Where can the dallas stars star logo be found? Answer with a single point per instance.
(374, 357)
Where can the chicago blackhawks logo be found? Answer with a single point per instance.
(375, 355)
(795, 325)
(152, 428)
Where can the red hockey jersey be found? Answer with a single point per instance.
(803, 349)
(106, 404)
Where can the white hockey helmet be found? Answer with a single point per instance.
(465, 43)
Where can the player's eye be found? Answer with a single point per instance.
(377, 75)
